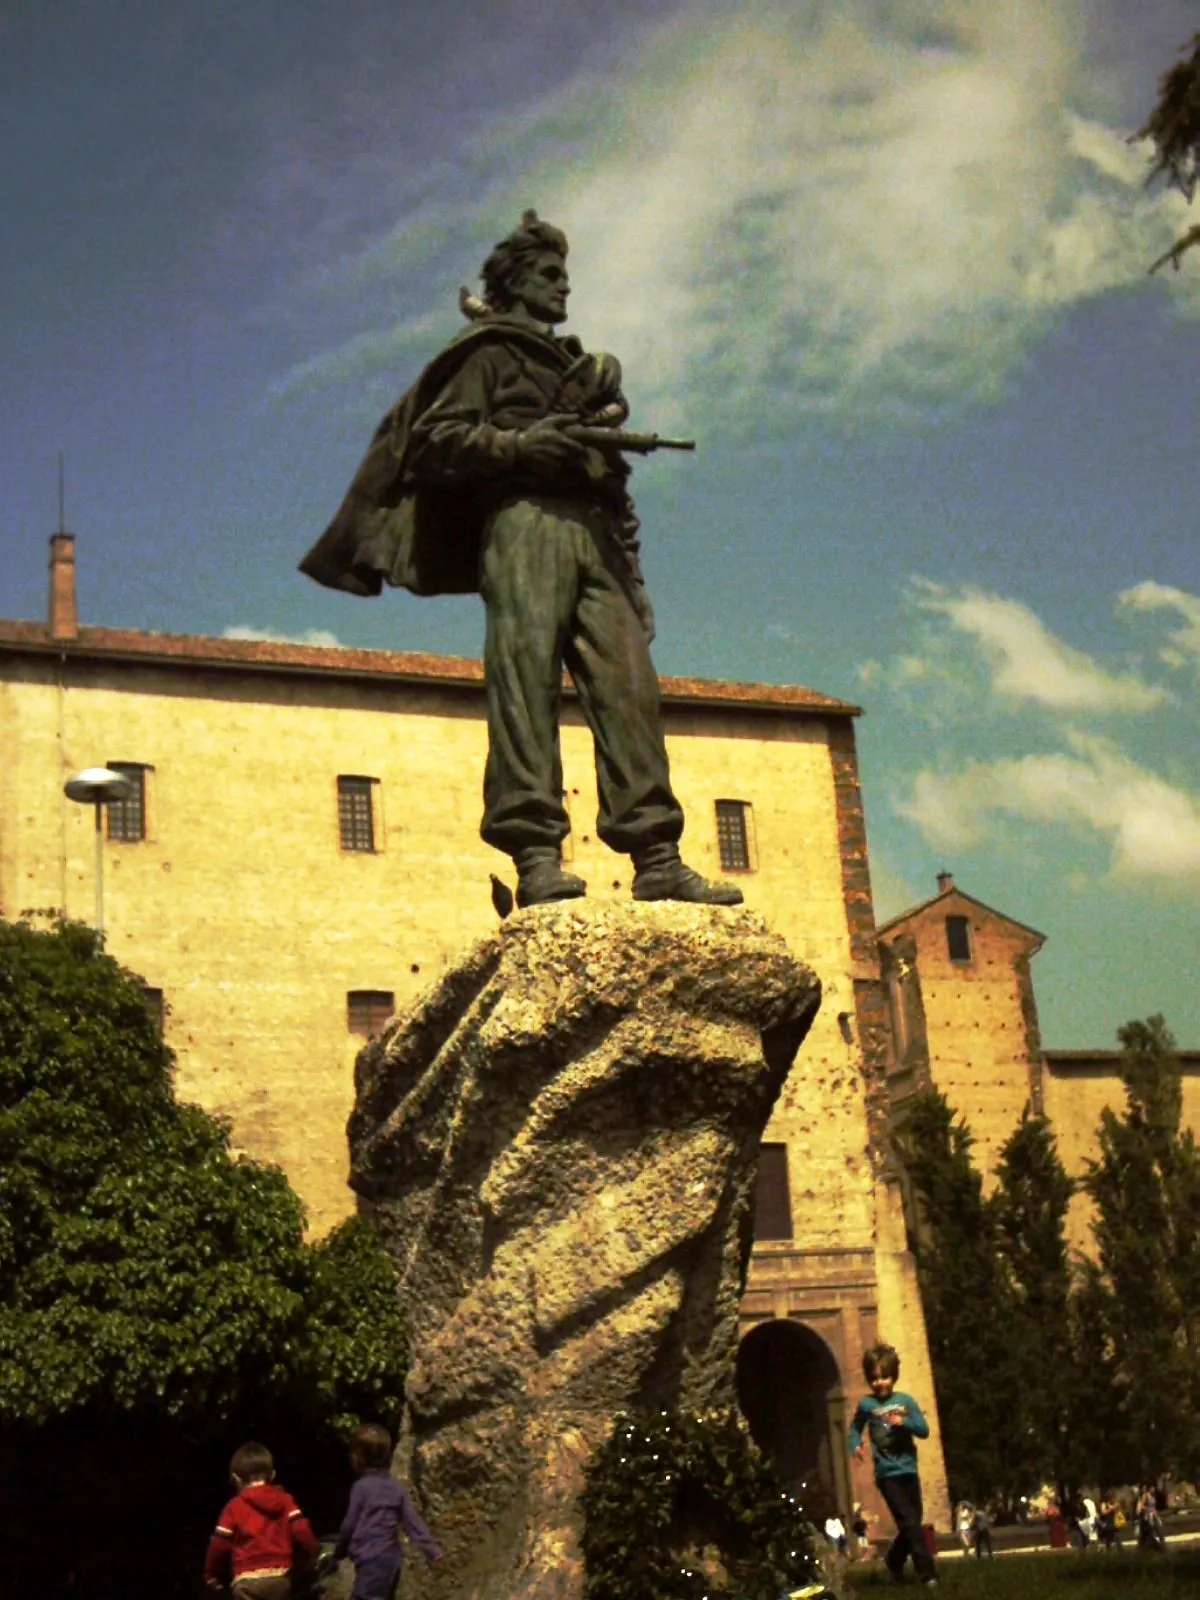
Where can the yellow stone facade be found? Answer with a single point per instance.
(241, 905)
(1078, 1086)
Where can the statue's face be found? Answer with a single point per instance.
(542, 288)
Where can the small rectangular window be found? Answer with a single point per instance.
(156, 1008)
(368, 1011)
(733, 835)
(126, 819)
(356, 813)
(772, 1200)
(958, 938)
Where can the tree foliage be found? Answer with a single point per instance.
(1173, 127)
(1092, 1361)
(1145, 1185)
(1029, 1206)
(970, 1306)
(684, 1507)
(158, 1300)
(141, 1264)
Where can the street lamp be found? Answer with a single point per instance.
(98, 787)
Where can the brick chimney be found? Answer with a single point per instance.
(64, 615)
(945, 882)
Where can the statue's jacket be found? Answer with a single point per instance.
(444, 458)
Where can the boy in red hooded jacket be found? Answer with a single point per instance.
(259, 1533)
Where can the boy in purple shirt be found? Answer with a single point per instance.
(380, 1506)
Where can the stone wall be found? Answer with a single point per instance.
(1079, 1086)
(969, 1026)
(241, 906)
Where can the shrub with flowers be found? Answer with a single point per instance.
(685, 1507)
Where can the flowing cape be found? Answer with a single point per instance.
(389, 531)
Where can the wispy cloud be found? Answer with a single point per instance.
(319, 637)
(357, 358)
(1152, 827)
(864, 208)
(1027, 662)
(1184, 647)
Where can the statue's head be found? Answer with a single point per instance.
(529, 269)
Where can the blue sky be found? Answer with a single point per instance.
(886, 261)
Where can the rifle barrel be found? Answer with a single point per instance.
(619, 439)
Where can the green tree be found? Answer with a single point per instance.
(1029, 1208)
(1145, 1185)
(153, 1286)
(1173, 127)
(970, 1307)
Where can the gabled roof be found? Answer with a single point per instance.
(952, 892)
(199, 653)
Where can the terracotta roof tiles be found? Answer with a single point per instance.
(262, 655)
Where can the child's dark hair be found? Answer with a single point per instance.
(881, 1361)
(372, 1445)
(252, 1463)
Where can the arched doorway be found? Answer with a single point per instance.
(790, 1392)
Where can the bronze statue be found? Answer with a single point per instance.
(501, 472)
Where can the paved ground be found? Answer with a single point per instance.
(1024, 1537)
(1177, 1529)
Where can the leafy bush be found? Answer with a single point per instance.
(155, 1289)
(682, 1507)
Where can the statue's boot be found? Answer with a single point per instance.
(542, 879)
(662, 875)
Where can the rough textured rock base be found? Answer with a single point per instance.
(560, 1143)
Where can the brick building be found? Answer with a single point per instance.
(960, 991)
(964, 1020)
(300, 855)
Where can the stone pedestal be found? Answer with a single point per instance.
(559, 1142)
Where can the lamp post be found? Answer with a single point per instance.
(98, 787)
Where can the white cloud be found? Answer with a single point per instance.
(1151, 826)
(320, 638)
(1029, 663)
(351, 361)
(1184, 648)
(866, 207)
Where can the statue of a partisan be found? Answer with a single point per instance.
(473, 483)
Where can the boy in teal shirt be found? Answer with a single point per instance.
(893, 1422)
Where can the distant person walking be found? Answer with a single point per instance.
(982, 1535)
(861, 1531)
(893, 1422)
(1149, 1523)
(964, 1524)
(835, 1532)
(1107, 1524)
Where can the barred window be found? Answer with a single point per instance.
(772, 1201)
(356, 813)
(368, 1010)
(126, 819)
(958, 938)
(733, 835)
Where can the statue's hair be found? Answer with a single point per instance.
(531, 237)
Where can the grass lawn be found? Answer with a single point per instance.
(1066, 1576)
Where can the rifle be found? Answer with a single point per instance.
(638, 444)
